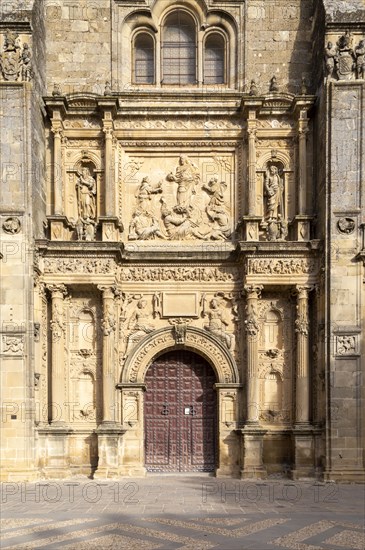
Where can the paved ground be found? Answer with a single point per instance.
(185, 513)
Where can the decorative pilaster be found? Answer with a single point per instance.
(251, 131)
(108, 329)
(57, 168)
(302, 370)
(251, 220)
(302, 225)
(109, 202)
(252, 330)
(58, 328)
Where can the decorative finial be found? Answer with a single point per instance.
(273, 85)
(108, 88)
(303, 86)
(253, 88)
(56, 90)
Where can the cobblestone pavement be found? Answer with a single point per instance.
(185, 513)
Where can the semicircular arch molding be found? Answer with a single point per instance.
(280, 156)
(162, 340)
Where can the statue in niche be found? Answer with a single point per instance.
(218, 323)
(217, 210)
(274, 189)
(187, 177)
(275, 222)
(86, 203)
(360, 60)
(180, 222)
(86, 192)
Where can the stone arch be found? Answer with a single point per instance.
(163, 340)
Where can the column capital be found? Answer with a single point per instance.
(253, 291)
(108, 291)
(302, 291)
(57, 291)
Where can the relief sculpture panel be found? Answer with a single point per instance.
(178, 197)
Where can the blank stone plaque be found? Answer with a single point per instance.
(182, 304)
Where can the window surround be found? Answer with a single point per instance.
(138, 31)
(223, 34)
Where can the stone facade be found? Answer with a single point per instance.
(222, 215)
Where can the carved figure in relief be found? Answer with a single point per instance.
(26, 63)
(13, 344)
(217, 210)
(360, 59)
(144, 226)
(346, 345)
(179, 223)
(187, 177)
(145, 190)
(139, 321)
(218, 323)
(345, 56)
(86, 192)
(330, 54)
(10, 59)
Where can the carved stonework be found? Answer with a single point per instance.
(346, 225)
(344, 61)
(346, 344)
(12, 225)
(86, 205)
(79, 265)
(197, 274)
(285, 266)
(218, 323)
(15, 61)
(13, 344)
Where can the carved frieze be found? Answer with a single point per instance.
(79, 265)
(284, 266)
(179, 273)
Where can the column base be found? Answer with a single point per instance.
(252, 447)
(55, 450)
(110, 436)
(304, 457)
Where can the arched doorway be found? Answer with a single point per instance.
(180, 414)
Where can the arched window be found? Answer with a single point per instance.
(179, 49)
(144, 59)
(214, 54)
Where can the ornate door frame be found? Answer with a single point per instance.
(132, 386)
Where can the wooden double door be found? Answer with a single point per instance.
(180, 414)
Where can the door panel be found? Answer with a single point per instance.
(180, 414)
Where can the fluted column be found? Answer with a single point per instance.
(57, 170)
(302, 371)
(252, 329)
(58, 328)
(108, 328)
